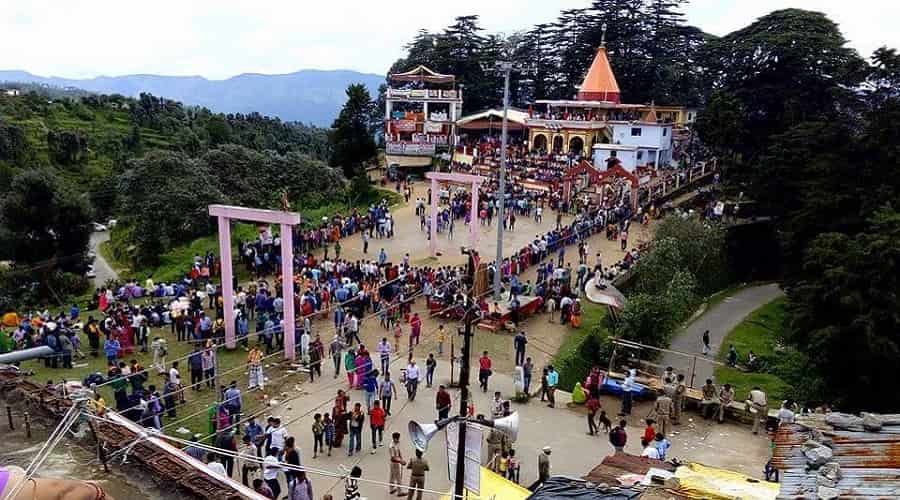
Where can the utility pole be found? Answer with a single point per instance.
(506, 67)
(459, 483)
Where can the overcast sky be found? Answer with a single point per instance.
(222, 38)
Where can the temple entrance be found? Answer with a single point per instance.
(576, 145)
(540, 143)
(558, 144)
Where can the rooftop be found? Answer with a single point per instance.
(421, 73)
(847, 455)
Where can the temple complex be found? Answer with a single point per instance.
(597, 125)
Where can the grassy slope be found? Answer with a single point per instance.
(100, 124)
(758, 333)
(569, 361)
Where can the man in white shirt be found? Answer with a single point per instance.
(650, 450)
(275, 436)
(757, 401)
(212, 461)
(785, 414)
(304, 347)
(412, 379)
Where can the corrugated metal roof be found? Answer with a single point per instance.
(869, 461)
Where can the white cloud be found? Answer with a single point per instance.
(222, 38)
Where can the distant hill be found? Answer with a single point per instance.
(309, 96)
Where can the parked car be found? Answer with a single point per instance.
(111, 223)
(97, 227)
(90, 273)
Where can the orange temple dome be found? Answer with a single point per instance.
(600, 83)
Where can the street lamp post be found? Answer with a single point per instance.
(459, 483)
(506, 68)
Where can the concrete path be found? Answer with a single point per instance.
(102, 269)
(719, 320)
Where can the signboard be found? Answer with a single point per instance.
(472, 472)
(405, 125)
(433, 127)
(409, 148)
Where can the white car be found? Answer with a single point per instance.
(97, 227)
(90, 273)
(111, 223)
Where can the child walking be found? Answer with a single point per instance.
(329, 430)
(318, 430)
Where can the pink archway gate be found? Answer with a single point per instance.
(287, 221)
(475, 181)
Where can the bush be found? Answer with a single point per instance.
(584, 348)
(653, 318)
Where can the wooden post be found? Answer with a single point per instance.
(27, 425)
(9, 417)
(101, 450)
(693, 371)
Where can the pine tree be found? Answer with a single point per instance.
(352, 140)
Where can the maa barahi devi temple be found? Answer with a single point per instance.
(596, 124)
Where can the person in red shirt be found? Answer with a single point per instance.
(649, 431)
(484, 371)
(376, 421)
(415, 324)
(442, 402)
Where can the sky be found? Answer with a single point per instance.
(222, 38)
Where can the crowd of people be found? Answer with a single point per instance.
(330, 290)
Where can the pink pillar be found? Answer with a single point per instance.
(473, 219)
(433, 230)
(226, 285)
(287, 289)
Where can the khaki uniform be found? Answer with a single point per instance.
(418, 467)
(758, 401)
(709, 402)
(726, 396)
(396, 479)
(663, 413)
(678, 402)
(495, 448)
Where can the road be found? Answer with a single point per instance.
(102, 268)
(719, 320)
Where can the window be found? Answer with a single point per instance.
(640, 155)
(636, 132)
(665, 132)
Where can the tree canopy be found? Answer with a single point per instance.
(807, 128)
(655, 55)
(351, 138)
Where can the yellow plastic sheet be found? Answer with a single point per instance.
(496, 487)
(700, 481)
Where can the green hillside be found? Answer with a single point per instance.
(151, 163)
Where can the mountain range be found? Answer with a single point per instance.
(309, 96)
